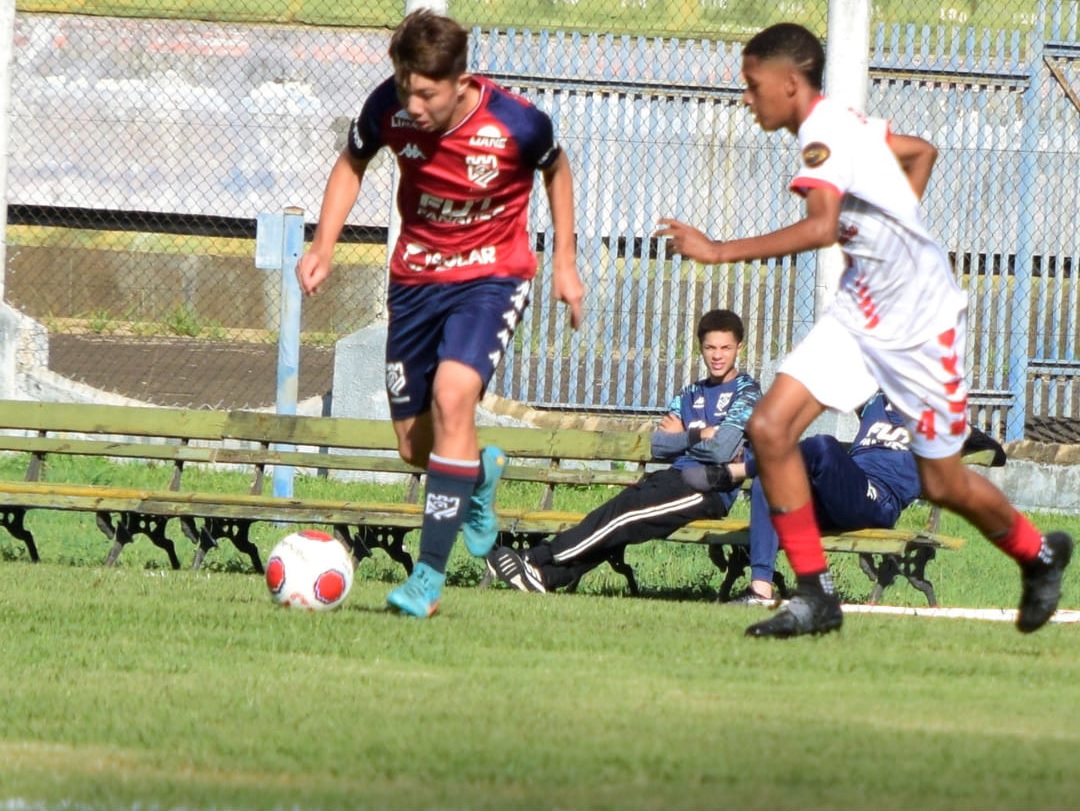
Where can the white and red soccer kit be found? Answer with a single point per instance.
(898, 321)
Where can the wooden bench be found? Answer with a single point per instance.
(256, 441)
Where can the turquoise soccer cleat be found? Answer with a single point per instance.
(481, 527)
(419, 595)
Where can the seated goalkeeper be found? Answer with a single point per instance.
(703, 429)
(865, 484)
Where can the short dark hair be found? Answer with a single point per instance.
(720, 321)
(790, 41)
(428, 44)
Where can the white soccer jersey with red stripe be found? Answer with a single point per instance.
(464, 194)
(897, 286)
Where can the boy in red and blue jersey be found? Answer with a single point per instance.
(460, 271)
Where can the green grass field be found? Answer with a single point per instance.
(141, 687)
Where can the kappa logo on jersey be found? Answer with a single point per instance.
(441, 507)
(403, 119)
(490, 137)
(699, 401)
(722, 402)
(413, 152)
(510, 318)
(482, 169)
(815, 154)
(395, 381)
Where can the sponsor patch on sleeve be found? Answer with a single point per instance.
(815, 154)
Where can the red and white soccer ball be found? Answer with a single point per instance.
(309, 570)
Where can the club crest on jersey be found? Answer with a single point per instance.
(489, 137)
(722, 401)
(395, 381)
(482, 169)
(815, 154)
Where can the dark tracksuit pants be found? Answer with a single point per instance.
(650, 509)
(844, 498)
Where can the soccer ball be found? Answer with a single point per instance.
(310, 570)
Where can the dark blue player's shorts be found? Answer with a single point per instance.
(469, 322)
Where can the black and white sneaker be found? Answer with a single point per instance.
(1042, 582)
(804, 614)
(507, 565)
(750, 597)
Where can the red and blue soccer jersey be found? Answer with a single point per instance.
(464, 193)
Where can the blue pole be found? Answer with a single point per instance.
(1028, 192)
(288, 368)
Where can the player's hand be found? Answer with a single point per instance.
(670, 424)
(568, 289)
(687, 241)
(311, 271)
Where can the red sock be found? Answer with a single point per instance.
(800, 539)
(1022, 542)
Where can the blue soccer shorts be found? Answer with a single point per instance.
(469, 322)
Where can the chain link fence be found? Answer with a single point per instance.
(146, 137)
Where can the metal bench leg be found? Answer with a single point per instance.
(913, 567)
(117, 533)
(153, 527)
(617, 561)
(11, 518)
(202, 539)
(733, 564)
(130, 524)
(235, 530)
(365, 538)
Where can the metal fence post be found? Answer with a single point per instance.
(288, 368)
(279, 243)
(847, 79)
(1028, 189)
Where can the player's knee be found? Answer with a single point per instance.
(766, 432)
(451, 405)
(944, 490)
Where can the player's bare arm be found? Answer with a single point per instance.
(342, 189)
(816, 230)
(566, 282)
(916, 158)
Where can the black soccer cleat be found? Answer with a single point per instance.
(803, 614)
(1042, 582)
(505, 564)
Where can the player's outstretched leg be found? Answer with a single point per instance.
(481, 529)
(419, 595)
(1042, 582)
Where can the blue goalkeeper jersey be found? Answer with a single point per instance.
(725, 406)
(882, 432)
